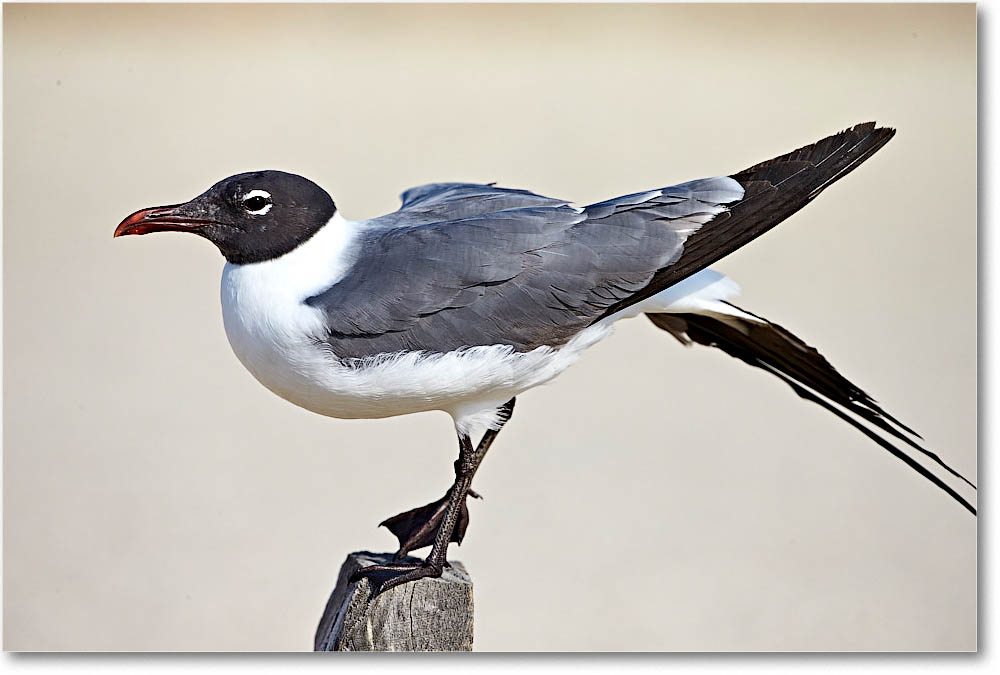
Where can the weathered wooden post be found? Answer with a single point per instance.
(423, 615)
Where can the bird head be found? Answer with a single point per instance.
(250, 217)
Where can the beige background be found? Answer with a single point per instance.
(652, 498)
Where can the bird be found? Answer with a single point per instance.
(470, 294)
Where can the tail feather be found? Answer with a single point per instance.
(774, 349)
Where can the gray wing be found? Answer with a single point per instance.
(773, 191)
(439, 202)
(461, 265)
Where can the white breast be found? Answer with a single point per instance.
(278, 338)
(271, 330)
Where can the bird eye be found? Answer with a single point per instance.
(257, 202)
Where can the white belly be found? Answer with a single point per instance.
(280, 341)
(277, 337)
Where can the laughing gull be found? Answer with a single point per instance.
(470, 294)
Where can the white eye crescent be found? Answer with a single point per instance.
(257, 202)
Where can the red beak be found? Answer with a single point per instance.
(159, 219)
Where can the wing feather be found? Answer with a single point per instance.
(524, 276)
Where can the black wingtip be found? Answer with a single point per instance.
(893, 450)
(773, 190)
(827, 160)
(772, 348)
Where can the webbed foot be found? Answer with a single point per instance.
(418, 527)
(384, 577)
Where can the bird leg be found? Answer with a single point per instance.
(438, 523)
(418, 527)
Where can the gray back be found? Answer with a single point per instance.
(463, 264)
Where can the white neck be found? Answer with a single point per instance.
(314, 265)
(268, 325)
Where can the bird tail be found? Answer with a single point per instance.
(766, 345)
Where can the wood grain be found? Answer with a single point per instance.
(425, 615)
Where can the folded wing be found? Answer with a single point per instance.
(516, 269)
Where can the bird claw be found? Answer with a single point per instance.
(418, 527)
(384, 577)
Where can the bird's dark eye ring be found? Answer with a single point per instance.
(255, 203)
